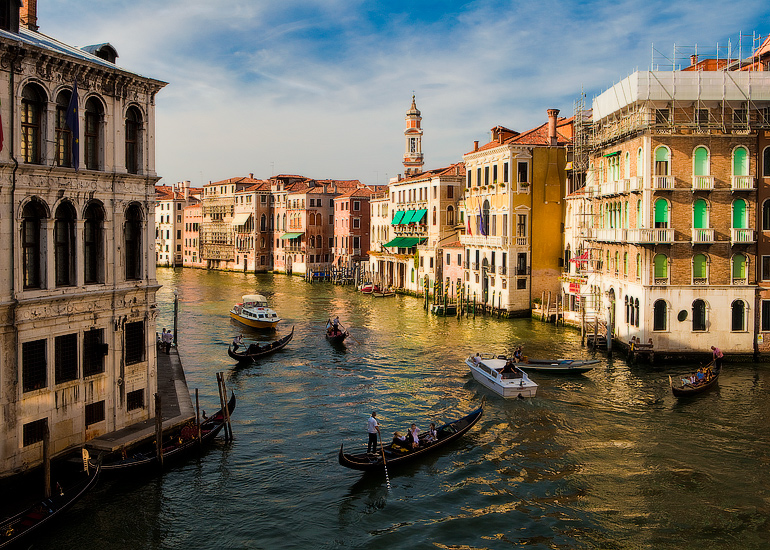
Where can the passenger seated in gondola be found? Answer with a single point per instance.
(413, 436)
(517, 354)
(254, 348)
(432, 435)
(399, 442)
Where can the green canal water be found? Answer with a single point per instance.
(607, 460)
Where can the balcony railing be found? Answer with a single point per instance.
(520, 270)
(702, 235)
(741, 236)
(491, 269)
(703, 183)
(650, 236)
(503, 270)
(700, 281)
(661, 281)
(635, 184)
(481, 240)
(663, 182)
(742, 183)
(522, 241)
(612, 235)
(475, 266)
(740, 281)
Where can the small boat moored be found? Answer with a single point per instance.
(557, 366)
(255, 351)
(502, 376)
(253, 312)
(368, 288)
(702, 380)
(20, 526)
(395, 456)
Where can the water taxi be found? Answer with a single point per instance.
(253, 312)
(507, 380)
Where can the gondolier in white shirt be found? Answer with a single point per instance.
(373, 426)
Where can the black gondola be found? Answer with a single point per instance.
(336, 336)
(685, 389)
(446, 434)
(178, 445)
(255, 351)
(15, 528)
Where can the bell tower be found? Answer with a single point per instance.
(413, 159)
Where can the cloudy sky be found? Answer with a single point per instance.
(321, 87)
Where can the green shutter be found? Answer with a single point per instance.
(741, 162)
(661, 211)
(699, 266)
(739, 266)
(661, 154)
(739, 214)
(701, 167)
(700, 215)
(661, 266)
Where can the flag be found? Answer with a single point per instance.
(73, 122)
(468, 222)
(482, 230)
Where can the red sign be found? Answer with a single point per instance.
(574, 288)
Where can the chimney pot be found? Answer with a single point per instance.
(552, 114)
(476, 145)
(251, 176)
(694, 59)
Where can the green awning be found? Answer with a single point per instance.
(404, 242)
(291, 235)
(408, 216)
(611, 154)
(418, 215)
(397, 217)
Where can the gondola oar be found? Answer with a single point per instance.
(353, 337)
(384, 462)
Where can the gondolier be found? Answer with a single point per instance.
(373, 426)
(718, 356)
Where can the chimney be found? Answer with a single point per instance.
(251, 176)
(694, 59)
(28, 15)
(552, 114)
(476, 145)
(186, 187)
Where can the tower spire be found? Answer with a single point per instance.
(413, 158)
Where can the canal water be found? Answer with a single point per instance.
(606, 460)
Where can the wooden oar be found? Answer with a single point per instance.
(384, 462)
(353, 337)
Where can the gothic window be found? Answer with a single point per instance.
(699, 316)
(660, 314)
(32, 123)
(32, 250)
(662, 160)
(738, 316)
(93, 134)
(63, 152)
(64, 249)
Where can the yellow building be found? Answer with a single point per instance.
(512, 215)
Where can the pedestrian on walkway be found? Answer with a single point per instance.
(167, 339)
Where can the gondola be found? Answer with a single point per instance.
(338, 336)
(251, 353)
(393, 457)
(557, 366)
(686, 389)
(20, 526)
(180, 444)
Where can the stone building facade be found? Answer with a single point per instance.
(77, 276)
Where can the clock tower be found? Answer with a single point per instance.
(413, 159)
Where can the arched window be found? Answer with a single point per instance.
(64, 245)
(628, 311)
(699, 316)
(636, 311)
(739, 269)
(660, 263)
(660, 314)
(93, 253)
(133, 140)
(617, 262)
(638, 267)
(63, 134)
(638, 213)
(434, 215)
(311, 219)
(700, 161)
(283, 224)
(662, 161)
(33, 102)
(740, 161)
(766, 162)
(132, 235)
(263, 223)
(450, 215)
(700, 214)
(312, 241)
(661, 213)
(699, 273)
(31, 222)
(627, 166)
(739, 214)
(93, 134)
(639, 163)
(766, 213)
(625, 264)
(738, 316)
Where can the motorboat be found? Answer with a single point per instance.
(253, 312)
(489, 371)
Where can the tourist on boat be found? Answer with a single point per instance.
(517, 354)
(477, 359)
(432, 435)
(508, 368)
(399, 441)
(254, 348)
(718, 356)
(373, 426)
(414, 436)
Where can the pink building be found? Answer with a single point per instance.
(192, 217)
(351, 226)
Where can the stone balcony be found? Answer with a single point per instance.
(742, 183)
(741, 236)
(703, 183)
(702, 236)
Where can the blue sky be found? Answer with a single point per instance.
(321, 88)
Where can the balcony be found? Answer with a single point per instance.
(481, 240)
(491, 269)
(475, 266)
(661, 281)
(665, 183)
(742, 183)
(613, 235)
(741, 236)
(635, 184)
(740, 281)
(522, 270)
(703, 183)
(650, 236)
(522, 241)
(700, 281)
(503, 270)
(701, 236)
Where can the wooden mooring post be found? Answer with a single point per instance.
(198, 415)
(225, 411)
(159, 429)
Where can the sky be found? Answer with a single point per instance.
(320, 88)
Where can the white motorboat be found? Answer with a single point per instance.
(489, 372)
(253, 312)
